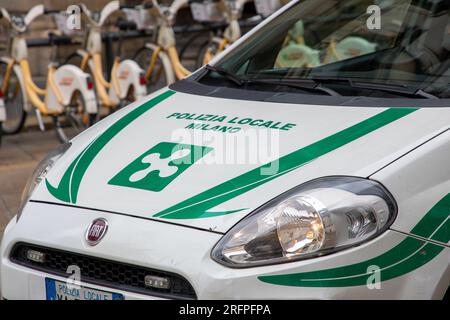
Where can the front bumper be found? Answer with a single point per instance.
(186, 252)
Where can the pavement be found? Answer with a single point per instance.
(19, 155)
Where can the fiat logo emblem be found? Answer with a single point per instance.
(96, 231)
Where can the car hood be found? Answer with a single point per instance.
(207, 162)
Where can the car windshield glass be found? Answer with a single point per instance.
(384, 48)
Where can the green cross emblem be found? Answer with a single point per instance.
(159, 166)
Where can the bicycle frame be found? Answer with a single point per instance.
(232, 12)
(61, 85)
(125, 74)
(221, 44)
(165, 40)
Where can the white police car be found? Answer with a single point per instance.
(311, 160)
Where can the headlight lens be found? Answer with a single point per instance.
(39, 174)
(316, 218)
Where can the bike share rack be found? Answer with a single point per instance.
(108, 38)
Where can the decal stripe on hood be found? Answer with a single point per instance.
(407, 256)
(69, 185)
(198, 206)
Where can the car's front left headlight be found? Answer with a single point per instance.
(315, 218)
(39, 174)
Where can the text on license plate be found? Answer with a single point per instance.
(57, 290)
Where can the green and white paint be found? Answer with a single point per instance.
(141, 163)
(69, 185)
(159, 166)
(199, 205)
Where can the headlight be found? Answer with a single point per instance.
(39, 174)
(315, 218)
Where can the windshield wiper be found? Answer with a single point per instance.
(402, 90)
(302, 84)
(390, 88)
(317, 84)
(225, 73)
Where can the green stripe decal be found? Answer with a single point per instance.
(407, 256)
(198, 206)
(433, 220)
(69, 185)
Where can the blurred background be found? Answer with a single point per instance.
(187, 30)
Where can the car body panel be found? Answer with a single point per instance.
(168, 247)
(157, 125)
(420, 183)
(174, 225)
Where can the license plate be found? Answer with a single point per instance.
(57, 290)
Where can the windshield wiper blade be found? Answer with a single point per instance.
(317, 84)
(390, 88)
(225, 73)
(302, 84)
(425, 94)
(405, 90)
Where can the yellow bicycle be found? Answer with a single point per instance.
(68, 96)
(160, 57)
(228, 11)
(127, 78)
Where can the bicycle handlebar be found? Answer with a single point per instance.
(17, 23)
(167, 13)
(107, 10)
(51, 11)
(20, 23)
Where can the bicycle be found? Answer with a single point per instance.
(228, 11)
(67, 97)
(160, 58)
(127, 78)
(265, 8)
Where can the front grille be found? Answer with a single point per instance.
(103, 272)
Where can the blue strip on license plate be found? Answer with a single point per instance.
(57, 290)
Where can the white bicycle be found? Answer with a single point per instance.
(67, 97)
(127, 78)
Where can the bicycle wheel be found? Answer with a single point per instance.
(189, 42)
(74, 120)
(129, 98)
(14, 103)
(160, 76)
(204, 48)
(74, 59)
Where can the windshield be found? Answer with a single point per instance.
(402, 43)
